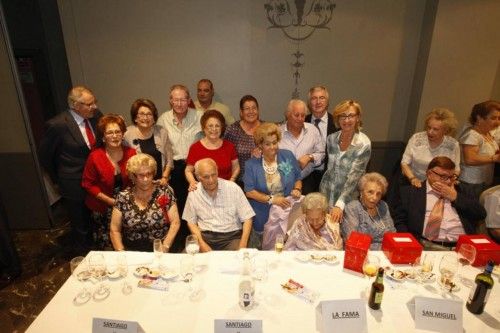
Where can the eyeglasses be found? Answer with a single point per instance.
(145, 115)
(89, 105)
(180, 100)
(347, 116)
(444, 177)
(250, 108)
(111, 133)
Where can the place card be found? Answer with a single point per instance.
(102, 325)
(237, 326)
(480, 241)
(402, 239)
(346, 316)
(440, 315)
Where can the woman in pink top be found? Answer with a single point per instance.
(213, 146)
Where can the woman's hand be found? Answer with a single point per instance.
(163, 181)
(281, 201)
(296, 193)
(416, 182)
(192, 186)
(336, 213)
(257, 152)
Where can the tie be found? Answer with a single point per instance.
(89, 133)
(316, 123)
(434, 222)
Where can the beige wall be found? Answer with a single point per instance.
(464, 61)
(128, 49)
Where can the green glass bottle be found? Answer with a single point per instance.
(481, 291)
(377, 291)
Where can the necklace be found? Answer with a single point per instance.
(270, 169)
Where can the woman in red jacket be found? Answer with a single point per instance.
(105, 175)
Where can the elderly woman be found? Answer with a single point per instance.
(144, 211)
(348, 154)
(241, 132)
(314, 230)
(436, 140)
(213, 146)
(369, 214)
(270, 179)
(105, 175)
(480, 151)
(147, 137)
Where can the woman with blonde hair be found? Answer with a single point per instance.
(436, 140)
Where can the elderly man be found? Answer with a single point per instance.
(68, 139)
(217, 212)
(439, 212)
(304, 141)
(184, 128)
(319, 100)
(205, 101)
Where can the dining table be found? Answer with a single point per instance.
(213, 294)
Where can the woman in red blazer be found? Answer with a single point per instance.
(105, 175)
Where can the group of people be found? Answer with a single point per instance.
(235, 184)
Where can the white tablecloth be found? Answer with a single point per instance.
(159, 311)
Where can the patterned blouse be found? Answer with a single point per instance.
(141, 226)
(243, 142)
(418, 153)
(339, 183)
(356, 218)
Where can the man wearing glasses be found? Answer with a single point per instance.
(184, 128)
(439, 212)
(69, 138)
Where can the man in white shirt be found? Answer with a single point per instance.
(205, 94)
(218, 213)
(304, 141)
(184, 128)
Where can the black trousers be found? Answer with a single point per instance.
(9, 260)
(180, 186)
(311, 183)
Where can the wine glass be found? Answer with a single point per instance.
(123, 270)
(97, 267)
(426, 267)
(448, 267)
(466, 256)
(192, 245)
(157, 249)
(259, 273)
(279, 243)
(79, 270)
(370, 269)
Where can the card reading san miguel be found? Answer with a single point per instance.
(440, 315)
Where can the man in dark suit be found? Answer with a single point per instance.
(438, 212)
(63, 151)
(319, 100)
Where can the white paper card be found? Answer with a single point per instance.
(440, 315)
(237, 326)
(102, 325)
(480, 241)
(402, 239)
(346, 316)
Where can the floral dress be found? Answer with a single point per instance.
(141, 226)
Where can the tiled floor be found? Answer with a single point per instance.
(44, 257)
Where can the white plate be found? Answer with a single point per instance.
(395, 274)
(319, 257)
(169, 274)
(141, 271)
(303, 257)
(427, 277)
(114, 275)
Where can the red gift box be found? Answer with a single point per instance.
(401, 247)
(356, 249)
(486, 248)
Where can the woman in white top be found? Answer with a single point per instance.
(480, 151)
(436, 140)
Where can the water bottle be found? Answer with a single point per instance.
(246, 286)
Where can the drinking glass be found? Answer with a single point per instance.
(259, 273)
(192, 245)
(123, 269)
(279, 243)
(466, 256)
(371, 265)
(97, 267)
(79, 270)
(187, 275)
(157, 249)
(448, 267)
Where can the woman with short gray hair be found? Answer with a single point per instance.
(314, 230)
(369, 214)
